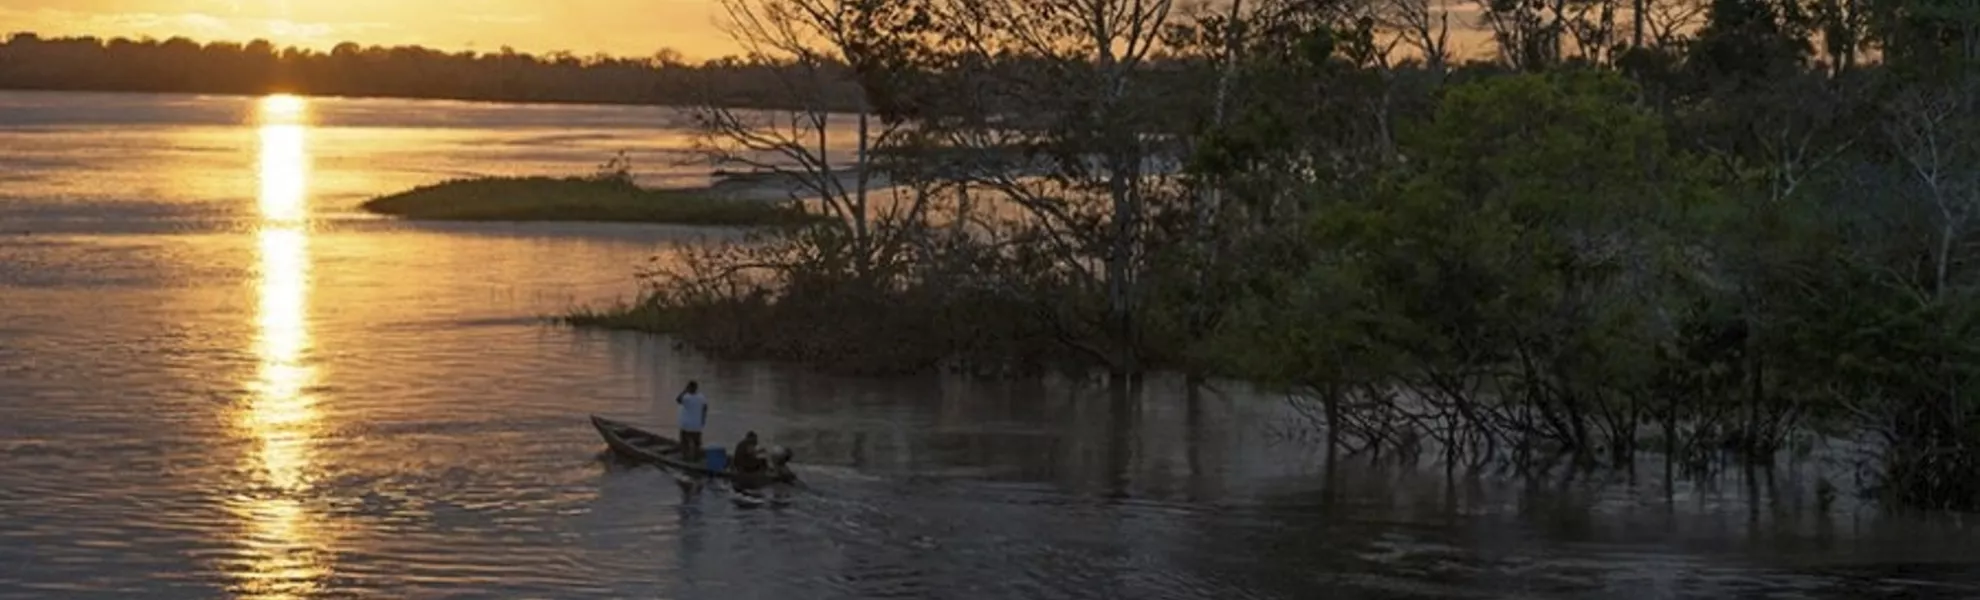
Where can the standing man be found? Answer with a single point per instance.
(694, 415)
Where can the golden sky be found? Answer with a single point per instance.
(619, 27)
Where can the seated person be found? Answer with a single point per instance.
(749, 455)
(765, 473)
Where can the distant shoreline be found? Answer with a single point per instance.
(94, 64)
(580, 199)
(335, 96)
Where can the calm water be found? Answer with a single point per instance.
(218, 380)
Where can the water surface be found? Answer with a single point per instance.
(220, 380)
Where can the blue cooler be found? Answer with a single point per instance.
(717, 458)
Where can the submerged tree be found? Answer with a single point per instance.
(1705, 229)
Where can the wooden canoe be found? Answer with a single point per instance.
(652, 448)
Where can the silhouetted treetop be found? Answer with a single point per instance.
(31, 62)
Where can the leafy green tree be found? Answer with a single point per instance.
(1511, 264)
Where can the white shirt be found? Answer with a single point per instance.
(693, 406)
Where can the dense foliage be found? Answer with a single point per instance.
(1704, 233)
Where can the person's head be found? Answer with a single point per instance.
(749, 437)
(780, 455)
(694, 387)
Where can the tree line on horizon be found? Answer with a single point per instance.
(29, 61)
(180, 65)
(1720, 232)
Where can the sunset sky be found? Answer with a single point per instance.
(620, 27)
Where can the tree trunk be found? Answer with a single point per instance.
(1211, 198)
(1120, 292)
(1636, 27)
(1123, 170)
(1333, 418)
(1756, 391)
(862, 232)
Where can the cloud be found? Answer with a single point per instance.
(203, 23)
(503, 19)
(290, 30)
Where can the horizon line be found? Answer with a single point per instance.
(327, 47)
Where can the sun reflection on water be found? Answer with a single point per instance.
(282, 540)
(284, 165)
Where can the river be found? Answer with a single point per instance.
(219, 380)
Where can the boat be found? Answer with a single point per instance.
(759, 499)
(652, 448)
